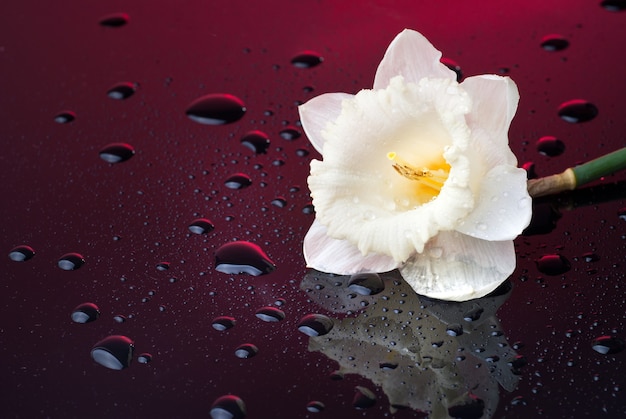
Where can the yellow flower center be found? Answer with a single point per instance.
(431, 178)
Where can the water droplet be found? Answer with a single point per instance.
(388, 366)
(279, 202)
(590, 257)
(114, 20)
(454, 329)
(65, 117)
(85, 313)
(71, 261)
(308, 209)
(228, 407)
(366, 284)
(473, 314)
(290, 133)
(243, 257)
(117, 152)
(245, 351)
(307, 59)
(162, 266)
(222, 323)
(621, 213)
(119, 318)
(577, 110)
(256, 141)
(469, 407)
(608, 345)
(454, 66)
(550, 146)
(270, 314)
(238, 181)
(554, 42)
(144, 358)
(122, 91)
(21, 253)
(216, 109)
(114, 352)
(315, 325)
(201, 226)
(553, 264)
(363, 398)
(614, 5)
(315, 406)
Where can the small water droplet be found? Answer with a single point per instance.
(553, 264)
(117, 152)
(216, 109)
(315, 406)
(114, 352)
(621, 213)
(454, 329)
(270, 314)
(256, 141)
(550, 146)
(307, 59)
(473, 314)
(238, 181)
(577, 110)
(162, 266)
(454, 66)
(554, 42)
(65, 117)
(21, 253)
(308, 209)
(119, 318)
(245, 351)
(243, 257)
(71, 261)
(114, 20)
(608, 345)
(228, 407)
(279, 202)
(222, 323)
(366, 283)
(388, 366)
(590, 257)
(201, 226)
(144, 358)
(85, 313)
(363, 398)
(122, 91)
(290, 133)
(315, 324)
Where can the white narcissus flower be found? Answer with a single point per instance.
(417, 174)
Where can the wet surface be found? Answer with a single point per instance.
(120, 299)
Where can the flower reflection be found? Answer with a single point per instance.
(417, 175)
(432, 356)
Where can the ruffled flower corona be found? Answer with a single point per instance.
(417, 175)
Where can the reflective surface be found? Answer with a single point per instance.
(116, 256)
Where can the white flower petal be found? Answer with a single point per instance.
(317, 113)
(412, 56)
(457, 267)
(503, 206)
(494, 102)
(326, 254)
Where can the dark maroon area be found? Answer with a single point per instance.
(102, 161)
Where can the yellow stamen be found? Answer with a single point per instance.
(431, 178)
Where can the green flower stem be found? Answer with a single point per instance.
(576, 176)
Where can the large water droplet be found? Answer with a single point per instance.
(216, 109)
(228, 407)
(256, 141)
(554, 42)
(21, 253)
(238, 181)
(222, 323)
(114, 20)
(243, 257)
(550, 146)
(608, 345)
(469, 407)
(363, 398)
(315, 325)
(122, 90)
(553, 264)
(614, 5)
(85, 313)
(71, 261)
(201, 226)
(366, 283)
(114, 352)
(245, 351)
(64, 117)
(270, 314)
(307, 59)
(577, 110)
(117, 152)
